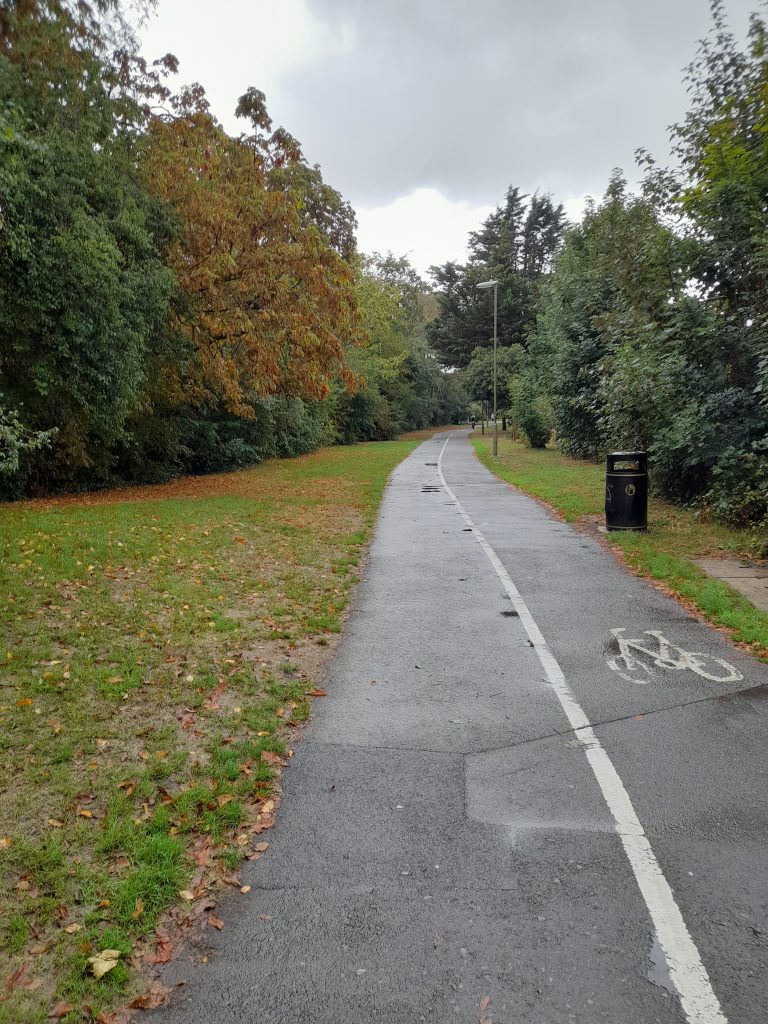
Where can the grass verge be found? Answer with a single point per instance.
(160, 644)
(576, 490)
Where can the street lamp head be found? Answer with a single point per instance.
(487, 284)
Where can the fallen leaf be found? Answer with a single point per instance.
(261, 847)
(55, 823)
(317, 692)
(24, 702)
(224, 799)
(244, 889)
(217, 923)
(72, 928)
(5, 842)
(213, 699)
(60, 1011)
(156, 995)
(138, 909)
(187, 895)
(85, 813)
(270, 757)
(41, 947)
(484, 1003)
(121, 1016)
(103, 962)
(104, 903)
(14, 980)
(162, 954)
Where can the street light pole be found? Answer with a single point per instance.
(495, 286)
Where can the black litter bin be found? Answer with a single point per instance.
(626, 491)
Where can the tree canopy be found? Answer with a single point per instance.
(174, 297)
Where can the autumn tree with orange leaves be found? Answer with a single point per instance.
(268, 303)
(172, 298)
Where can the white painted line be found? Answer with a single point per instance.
(686, 970)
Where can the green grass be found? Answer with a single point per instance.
(160, 646)
(576, 490)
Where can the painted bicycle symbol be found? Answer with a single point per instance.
(667, 656)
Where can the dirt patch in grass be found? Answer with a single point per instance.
(162, 648)
(574, 491)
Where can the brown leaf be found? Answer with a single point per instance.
(72, 928)
(162, 954)
(213, 699)
(484, 1003)
(217, 923)
(156, 995)
(224, 799)
(138, 909)
(270, 757)
(15, 979)
(202, 855)
(317, 692)
(24, 702)
(60, 1011)
(121, 1016)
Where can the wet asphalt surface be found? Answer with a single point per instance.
(442, 837)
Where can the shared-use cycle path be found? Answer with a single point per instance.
(537, 791)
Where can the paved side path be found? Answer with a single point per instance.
(446, 833)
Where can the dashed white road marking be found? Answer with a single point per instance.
(688, 974)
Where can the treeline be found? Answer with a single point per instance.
(646, 325)
(172, 298)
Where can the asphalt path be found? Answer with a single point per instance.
(484, 820)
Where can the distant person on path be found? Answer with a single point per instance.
(472, 421)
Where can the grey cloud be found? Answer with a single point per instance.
(468, 97)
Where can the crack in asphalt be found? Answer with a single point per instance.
(555, 734)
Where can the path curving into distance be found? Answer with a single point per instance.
(488, 817)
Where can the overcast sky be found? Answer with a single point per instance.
(422, 112)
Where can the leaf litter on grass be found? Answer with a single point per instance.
(162, 646)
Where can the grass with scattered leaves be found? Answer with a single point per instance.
(576, 490)
(160, 644)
